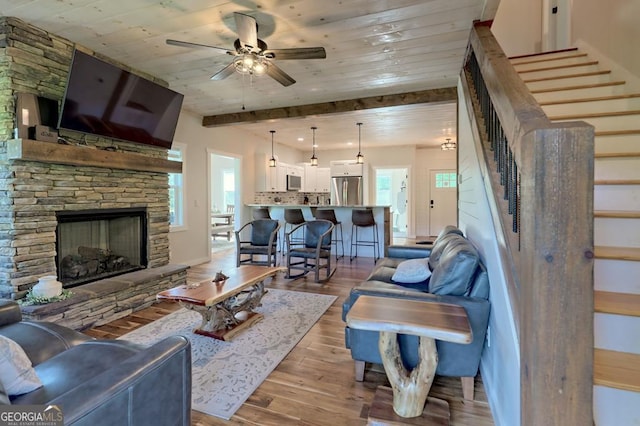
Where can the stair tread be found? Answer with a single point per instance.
(621, 214)
(560, 77)
(594, 99)
(620, 370)
(617, 253)
(559, 67)
(616, 182)
(617, 154)
(580, 86)
(594, 115)
(541, 56)
(617, 132)
(617, 303)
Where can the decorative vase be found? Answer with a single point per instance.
(48, 286)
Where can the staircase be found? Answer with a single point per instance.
(570, 86)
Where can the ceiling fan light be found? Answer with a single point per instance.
(248, 60)
(260, 67)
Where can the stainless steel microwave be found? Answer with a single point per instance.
(294, 183)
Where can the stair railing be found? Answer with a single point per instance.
(542, 183)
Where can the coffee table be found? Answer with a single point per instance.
(227, 306)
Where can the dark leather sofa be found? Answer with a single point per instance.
(456, 269)
(102, 382)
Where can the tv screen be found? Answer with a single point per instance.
(105, 100)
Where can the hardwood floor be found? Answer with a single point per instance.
(314, 384)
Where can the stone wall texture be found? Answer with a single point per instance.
(35, 61)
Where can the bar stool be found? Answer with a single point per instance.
(330, 215)
(364, 219)
(292, 218)
(261, 213)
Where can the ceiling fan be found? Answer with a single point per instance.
(252, 56)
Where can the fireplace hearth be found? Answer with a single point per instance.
(96, 244)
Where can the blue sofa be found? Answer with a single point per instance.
(458, 276)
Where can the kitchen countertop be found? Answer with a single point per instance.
(314, 205)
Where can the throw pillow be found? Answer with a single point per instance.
(412, 271)
(17, 375)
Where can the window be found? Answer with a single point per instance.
(446, 180)
(176, 189)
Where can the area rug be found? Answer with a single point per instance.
(225, 374)
(222, 245)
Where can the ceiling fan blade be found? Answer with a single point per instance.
(247, 30)
(224, 72)
(278, 75)
(194, 45)
(297, 53)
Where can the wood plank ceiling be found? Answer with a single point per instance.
(374, 48)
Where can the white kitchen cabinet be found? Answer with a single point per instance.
(323, 179)
(294, 170)
(316, 179)
(346, 168)
(270, 179)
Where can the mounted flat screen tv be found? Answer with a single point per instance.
(105, 100)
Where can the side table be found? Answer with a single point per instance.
(429, 321)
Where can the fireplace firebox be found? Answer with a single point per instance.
(96, 244)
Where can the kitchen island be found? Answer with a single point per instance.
(381, 215)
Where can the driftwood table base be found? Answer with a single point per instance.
(410, 388)
(227, 318)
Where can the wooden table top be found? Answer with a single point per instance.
(207, 293)
(440, 321)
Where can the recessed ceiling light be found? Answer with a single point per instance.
(300, 139)
(349, 143)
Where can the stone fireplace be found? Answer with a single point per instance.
(45, 187)
(97, 244)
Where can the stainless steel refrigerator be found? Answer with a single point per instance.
(346, 191)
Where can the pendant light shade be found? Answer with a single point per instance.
(272, 160)
(314, 159)
(359, 157)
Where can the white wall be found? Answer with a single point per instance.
(518, 26)
(191, 245)
(610, 31)
(500, 365)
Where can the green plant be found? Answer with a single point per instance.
(31, 299)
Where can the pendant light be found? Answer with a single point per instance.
(359, 157)
(448, 145)
(272, 160)
(314, 159)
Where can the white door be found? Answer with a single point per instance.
(443, 200)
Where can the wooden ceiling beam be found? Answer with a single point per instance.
(448, 94)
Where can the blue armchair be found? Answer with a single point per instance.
(262, 241)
